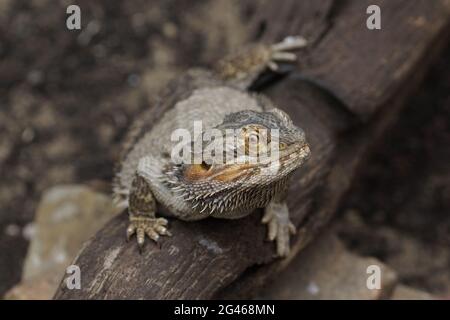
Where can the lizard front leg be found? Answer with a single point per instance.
(243, 67)
(142, 209)
(279, 226)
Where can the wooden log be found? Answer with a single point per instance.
(204, 259)
(363, 67)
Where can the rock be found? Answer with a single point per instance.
(37, 288)
(403, 292)
(326, 270)
(420, 261)
(66, 217)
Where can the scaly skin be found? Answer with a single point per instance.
(148, 176)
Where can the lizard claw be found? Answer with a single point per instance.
(130, 231)
(142, 226)
(279, 226)
(279, 51)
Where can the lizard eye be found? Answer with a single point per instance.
(282, 145)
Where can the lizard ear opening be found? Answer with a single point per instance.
(205, 166)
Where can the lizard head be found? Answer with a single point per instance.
(249, 150)
(265, 146)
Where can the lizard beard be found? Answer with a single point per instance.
(222, 198)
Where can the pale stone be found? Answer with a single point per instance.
(326, 270)
(67, 216)
(403, 292)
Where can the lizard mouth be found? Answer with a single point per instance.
(287, 160)
(302, 152)
(289, 154)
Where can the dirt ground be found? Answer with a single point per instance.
(67, 97)
(399, 210)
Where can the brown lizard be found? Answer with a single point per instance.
(189, 190)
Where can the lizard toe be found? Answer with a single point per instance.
(130, 231)
(146, 226)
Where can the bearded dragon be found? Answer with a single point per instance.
(148, 175)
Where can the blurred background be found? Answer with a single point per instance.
(67, 97)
